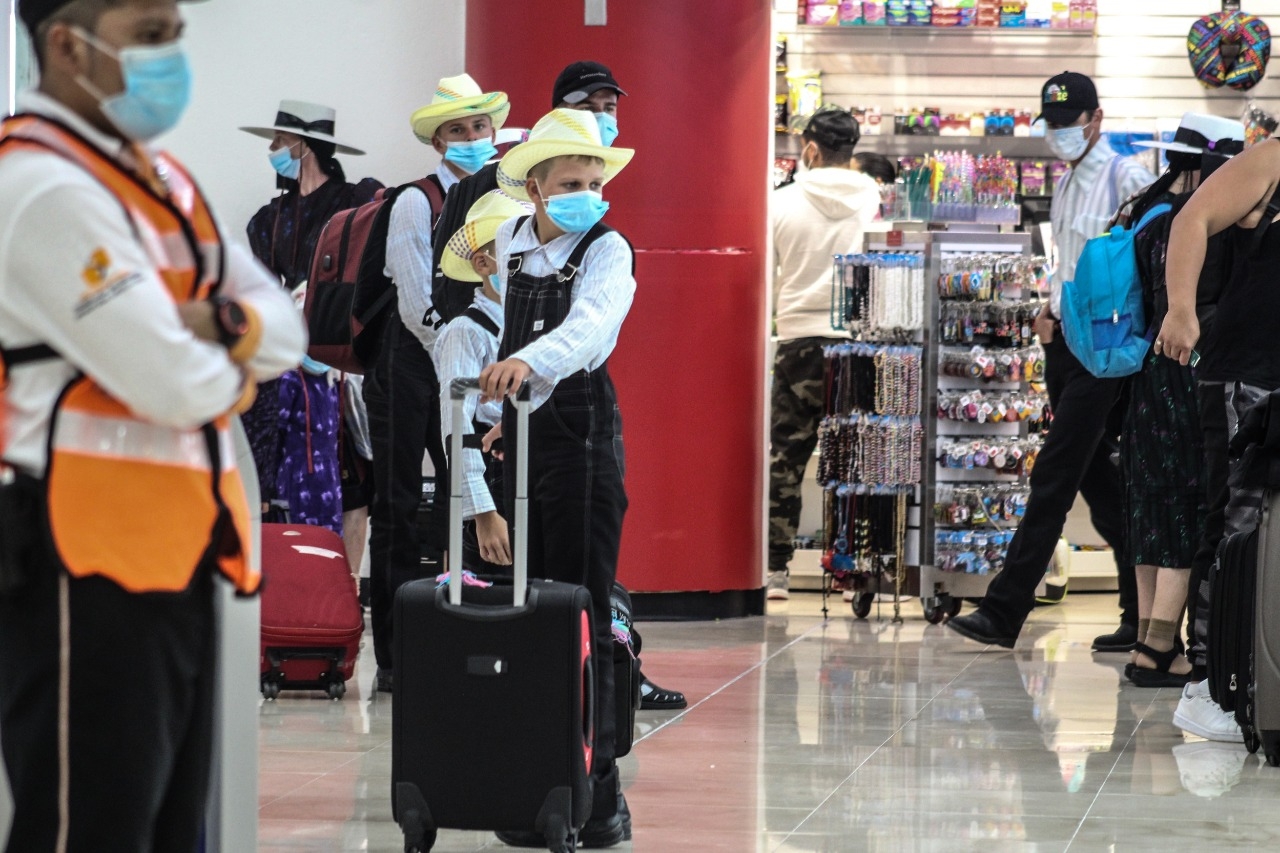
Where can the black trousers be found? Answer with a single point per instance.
(576, 506)
(402, 396)
(1075, 458)
(138, 713)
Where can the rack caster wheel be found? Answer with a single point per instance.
(862, 604)
(336, 690)
(940, 608)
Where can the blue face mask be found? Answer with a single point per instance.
(496, 280)
(286, 166)
(572, 212)
(608, 128)
(157, 88)
(470, 156)
(315, 368)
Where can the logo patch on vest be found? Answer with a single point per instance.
(538, 324)
(102, 285)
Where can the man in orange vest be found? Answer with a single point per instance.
(130, 333)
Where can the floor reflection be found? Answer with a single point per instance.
(841, 736)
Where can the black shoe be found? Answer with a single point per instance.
(383, 682)
(363, 595)
(624, 812)
(1122, 640)
(977, 626)
(655, 698)
(605, 832)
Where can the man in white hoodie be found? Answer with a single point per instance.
(823, 213)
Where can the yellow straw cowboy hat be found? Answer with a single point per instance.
(455, 98)
(559, 133)
(483, 220)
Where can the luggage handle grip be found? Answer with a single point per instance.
(459, 390)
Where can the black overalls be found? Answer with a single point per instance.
(576, 496)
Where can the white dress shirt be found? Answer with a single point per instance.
(463, 349)
(598, 302)
(1084, 201)
(129, 339)
(410, 259)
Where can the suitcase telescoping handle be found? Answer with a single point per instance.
(459, 390)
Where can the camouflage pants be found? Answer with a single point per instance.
(798, 407)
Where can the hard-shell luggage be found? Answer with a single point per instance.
(311, 616)
(493, 719)
(1263, 729)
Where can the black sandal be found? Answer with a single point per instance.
(654, 698)
(1142, 676)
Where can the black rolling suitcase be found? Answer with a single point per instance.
(626, 671)
(492, 724)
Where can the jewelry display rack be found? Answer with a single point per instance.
(916, 565)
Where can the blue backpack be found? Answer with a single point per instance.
(1103, 318)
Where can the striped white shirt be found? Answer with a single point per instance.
(410, 259)
(1084, 201)
(463, 349)
(600, 299)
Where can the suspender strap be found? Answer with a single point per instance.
(514, 262)
(482, 320)
(571, 267)
(27, 355)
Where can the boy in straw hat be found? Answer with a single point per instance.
(401, 390)
(467, 345)
(567, 284)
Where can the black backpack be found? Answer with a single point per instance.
(450, 297)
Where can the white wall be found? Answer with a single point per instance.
(375, 61)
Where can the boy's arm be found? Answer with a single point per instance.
(605, 290)
(457, 356)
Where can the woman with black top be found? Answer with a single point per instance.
(283, 235)
(1161, 446)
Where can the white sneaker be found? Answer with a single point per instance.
(1199, 715)
(777, 588)
(1209, 769)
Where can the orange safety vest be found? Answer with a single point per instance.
(136, 502)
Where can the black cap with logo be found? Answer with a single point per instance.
(35, 12)
(577, 82)
(1066, 96)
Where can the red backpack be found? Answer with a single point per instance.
(349, 296)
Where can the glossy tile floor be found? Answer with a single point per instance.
(846, 735)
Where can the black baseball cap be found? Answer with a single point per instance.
(1066, 96)
(35, 12)
(834, 128)
(577, 82)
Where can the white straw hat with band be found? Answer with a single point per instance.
(483, 221)
(1198, 132)
(313, 121)
(557, 134)
(455, 98)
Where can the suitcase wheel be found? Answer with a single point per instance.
(270, 689)
(428, 841)
(1271, 747)
(1251, 740)
(337, 689)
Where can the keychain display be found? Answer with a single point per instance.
(866, 531)
(984, 277)
(875, 450)
(980, 407)
(995, 324)
(1015, 456)
(994, 365)
(980, 506)
(878, 293)
(972, 552)
(872, 378)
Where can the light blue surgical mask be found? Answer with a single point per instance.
(608, 128)
(496, 280)
(573, 212)
(315, 368)
(470, 156)
(285, 164)
(157, 88)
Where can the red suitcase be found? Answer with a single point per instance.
(311, 615)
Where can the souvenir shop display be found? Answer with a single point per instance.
(878, 294)
(986, 14)
(956, 186)
(936, 404)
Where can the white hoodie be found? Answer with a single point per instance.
(824, 213)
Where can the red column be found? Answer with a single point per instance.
(689, 363)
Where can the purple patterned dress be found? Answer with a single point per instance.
(309, 480)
